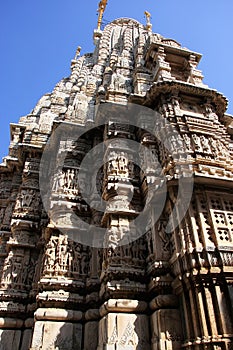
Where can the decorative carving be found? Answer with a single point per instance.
(187, 141)
(205, 144)
(120, 83)
(66, 182)
(15, 270)
(197, 142)
(120, 166)
(2, 212)
(164, 235)
(41, 267)
(210, 114)
(66, 258)
(25, 199)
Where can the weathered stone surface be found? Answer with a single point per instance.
(167, 330)
(9, 339)
(58, 314)
(91, 335)
(26, 339)
(123, 305)
(57, 292)
(62, 335)
(125, 331)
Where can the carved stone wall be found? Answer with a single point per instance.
(162, 290)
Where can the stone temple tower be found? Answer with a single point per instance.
(162, 289)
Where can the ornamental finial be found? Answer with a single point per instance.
(148, 22)
(77, 54)
(101, 9)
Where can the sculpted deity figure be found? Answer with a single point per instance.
(163, 235)
(135, 250)
(2, 211)
(71, 179)
(118, 81)
(205, 143)
(197, 142)
(62, 253)
(122, 164)
(30, 272)
(113, 166)
(187, 141)
(210, 113)
(77, 258)
(59, 181)
(17, 270)
(83, 263)
(25, 199)
(7, 269)
(50, 254)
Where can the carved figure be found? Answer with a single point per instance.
(2, 211)
(197, 142)
(163, 235)
(205, 144)
(59, 181)
(50, 254)
(187, 141)
(150, 242)
(118, 81)
(83, 263)
(210, 113)
(62, 253)
(77, 258)
(7, 269)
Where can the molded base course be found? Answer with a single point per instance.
(56, 335)
(124, 332)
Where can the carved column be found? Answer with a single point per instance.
(123, 325)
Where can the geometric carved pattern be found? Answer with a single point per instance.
(221, 210)
(216, 217)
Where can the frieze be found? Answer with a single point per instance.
(63, 257)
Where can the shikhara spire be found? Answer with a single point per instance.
(165, 289)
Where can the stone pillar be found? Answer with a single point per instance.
(91, 335)
(123, 326)
(27, 334)
(162, 69)
(211, 311)
(224, 312)
(91, 329)
(10, 333)
(166, 323)
(57, 329)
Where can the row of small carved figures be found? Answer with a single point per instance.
(61, 256)
(68, 180)
(18, 271)
(199, 143)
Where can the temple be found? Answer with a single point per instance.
(161, 289)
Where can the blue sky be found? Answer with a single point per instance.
(39, 38)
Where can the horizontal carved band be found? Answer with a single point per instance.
(123, 305)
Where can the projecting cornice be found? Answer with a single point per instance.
(180, 87)
(170, 45)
